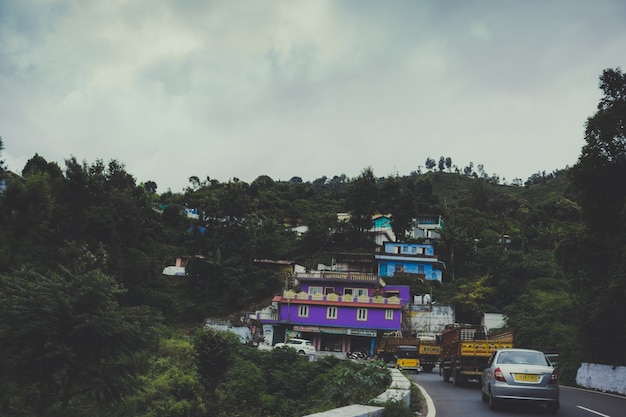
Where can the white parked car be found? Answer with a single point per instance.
(302, 346)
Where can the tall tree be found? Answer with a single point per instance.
(594, 260)
(215, 352)
(2, 168)
(398, 198)
(362, 200)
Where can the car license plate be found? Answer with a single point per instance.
(527, 377)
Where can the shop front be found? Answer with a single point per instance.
(339, 339)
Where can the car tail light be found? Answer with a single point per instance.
(498, 375)
(554, 378)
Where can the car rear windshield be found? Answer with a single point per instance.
(522, 358)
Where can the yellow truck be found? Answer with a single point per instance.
(386, 347)
(428, 350)
(465, 349)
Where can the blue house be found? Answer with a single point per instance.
(408, 258)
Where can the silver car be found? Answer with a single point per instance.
(520, 374)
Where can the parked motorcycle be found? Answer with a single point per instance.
(357, 354)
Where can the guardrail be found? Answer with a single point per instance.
(291, 295)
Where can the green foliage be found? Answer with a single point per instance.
(593, 259)
(242, 389)
(2, 167)
(66, 344)
(171, 387)
(282, 383)
(397, 409)
(362, 199)
(351, 382)
(215, 352)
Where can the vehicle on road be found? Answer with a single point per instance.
(520, 374)
(302, 346)
(407, 358)
(429, 349)
(466, 348)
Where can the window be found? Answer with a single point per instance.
(331, 313)
(315, 290)
(388, 314)
(361, 314)
(329, 290)
(361, 292)
(303, 311)
(347, 291)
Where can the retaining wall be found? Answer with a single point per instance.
(399, 391)
(602, 377)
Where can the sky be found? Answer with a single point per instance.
(292, 88)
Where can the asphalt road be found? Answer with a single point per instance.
(451, 401)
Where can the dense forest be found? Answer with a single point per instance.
(86, 313)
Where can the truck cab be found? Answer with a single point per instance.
(407, 358)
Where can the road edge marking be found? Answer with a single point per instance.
(593, 391)
(430, 405)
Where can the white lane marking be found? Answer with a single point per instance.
(592, 411)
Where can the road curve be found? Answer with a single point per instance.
(445, 400)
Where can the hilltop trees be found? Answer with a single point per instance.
(2, 168)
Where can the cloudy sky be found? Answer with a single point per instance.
(284, 88)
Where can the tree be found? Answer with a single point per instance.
(2, 168)
(599, 172)
(216, 352)
(362, 199)
(442, 163)
(430, 163)
(595, 263)
(38, 164)
(67, 343)
(150, 186)
(398, 199)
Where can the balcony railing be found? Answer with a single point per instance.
(292, 295)
(348, 276)
(265, 315)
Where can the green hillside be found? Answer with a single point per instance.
(84, 305)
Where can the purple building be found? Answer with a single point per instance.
(338, 311)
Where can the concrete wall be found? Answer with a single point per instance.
(602, 377)
(399, 391)
(354, 410)
(431, 318)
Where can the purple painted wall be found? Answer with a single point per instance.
(403, 290)
(346, 316)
